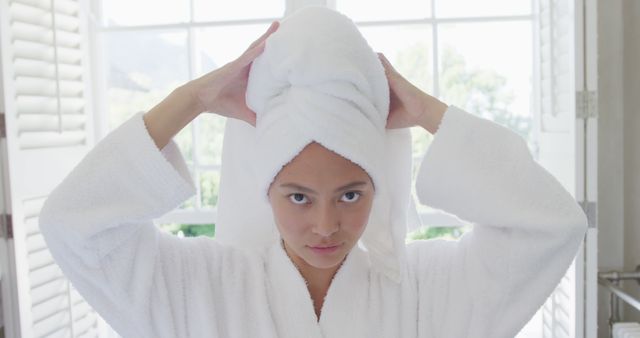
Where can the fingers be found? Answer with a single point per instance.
(272, 28)
(385, 62)
(248, 115)
(250, 55)
(257, 46)
(392, 75)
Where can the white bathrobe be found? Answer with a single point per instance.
(149, 283)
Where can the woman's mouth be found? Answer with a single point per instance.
(325, 249)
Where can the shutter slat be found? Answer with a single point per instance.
(56, 324)
(35, 243)
(44, 275)
(66, 18)
(48, 275)
(85, 318)
(50, 305)
(67, 23)
(40, 258)
(43, 292)
(30, 105)
(52, 140)
(71, 56)
(40, 261)
(58, 330)
(39, 4)
(68, 7)
(38, 51)
(28, 13)
(30, 32)
(86, 323)
(33, 51)
(32, 227)
(44, 70)
(44, 124)
(71, 88)
(34, 86)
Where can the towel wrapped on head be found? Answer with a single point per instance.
(317, 80)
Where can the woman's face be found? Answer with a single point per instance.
(320, 199)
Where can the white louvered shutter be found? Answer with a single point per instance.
(47, 113)
(563, 142)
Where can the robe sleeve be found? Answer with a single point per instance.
(527, 228)
(97, 224)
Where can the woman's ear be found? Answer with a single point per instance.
(269, 192)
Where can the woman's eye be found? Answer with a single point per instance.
(297, 198)
(352, 196)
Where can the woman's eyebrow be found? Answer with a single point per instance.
(305, 189)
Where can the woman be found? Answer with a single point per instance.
(316, 282)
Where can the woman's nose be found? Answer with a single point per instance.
(327, 221)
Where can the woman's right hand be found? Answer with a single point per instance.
(222, 91)
(408, 105)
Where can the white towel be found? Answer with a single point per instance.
(317, 80)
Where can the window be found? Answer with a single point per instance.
(440, 52)
(433, 43)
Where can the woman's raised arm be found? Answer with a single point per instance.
(97, 223)
(527, 229)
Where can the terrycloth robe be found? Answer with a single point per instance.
(98, 224)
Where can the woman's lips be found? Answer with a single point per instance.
(325, 250)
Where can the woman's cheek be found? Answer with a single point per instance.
(360, 217)
(295, 225)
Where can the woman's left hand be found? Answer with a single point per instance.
(409, 105)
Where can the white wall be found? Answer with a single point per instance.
(610, 145)
(618, 147)
(631, 62)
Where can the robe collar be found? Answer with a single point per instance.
(344, 308)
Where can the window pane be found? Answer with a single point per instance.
(217, 46)
(190, 203)
(411, 54)
(486, 68)
(210, 136)
(143, 68)
(207, 10)
(209, 183)
(421, 139)
(466, 8)
(184, 140)
(126, 12)
(384, 10)
(412, 57)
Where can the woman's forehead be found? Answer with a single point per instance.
(317, 161)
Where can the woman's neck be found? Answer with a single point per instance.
(318, 280)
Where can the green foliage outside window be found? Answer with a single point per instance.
(191, 230)
(446, 232)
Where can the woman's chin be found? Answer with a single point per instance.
(323, 260)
